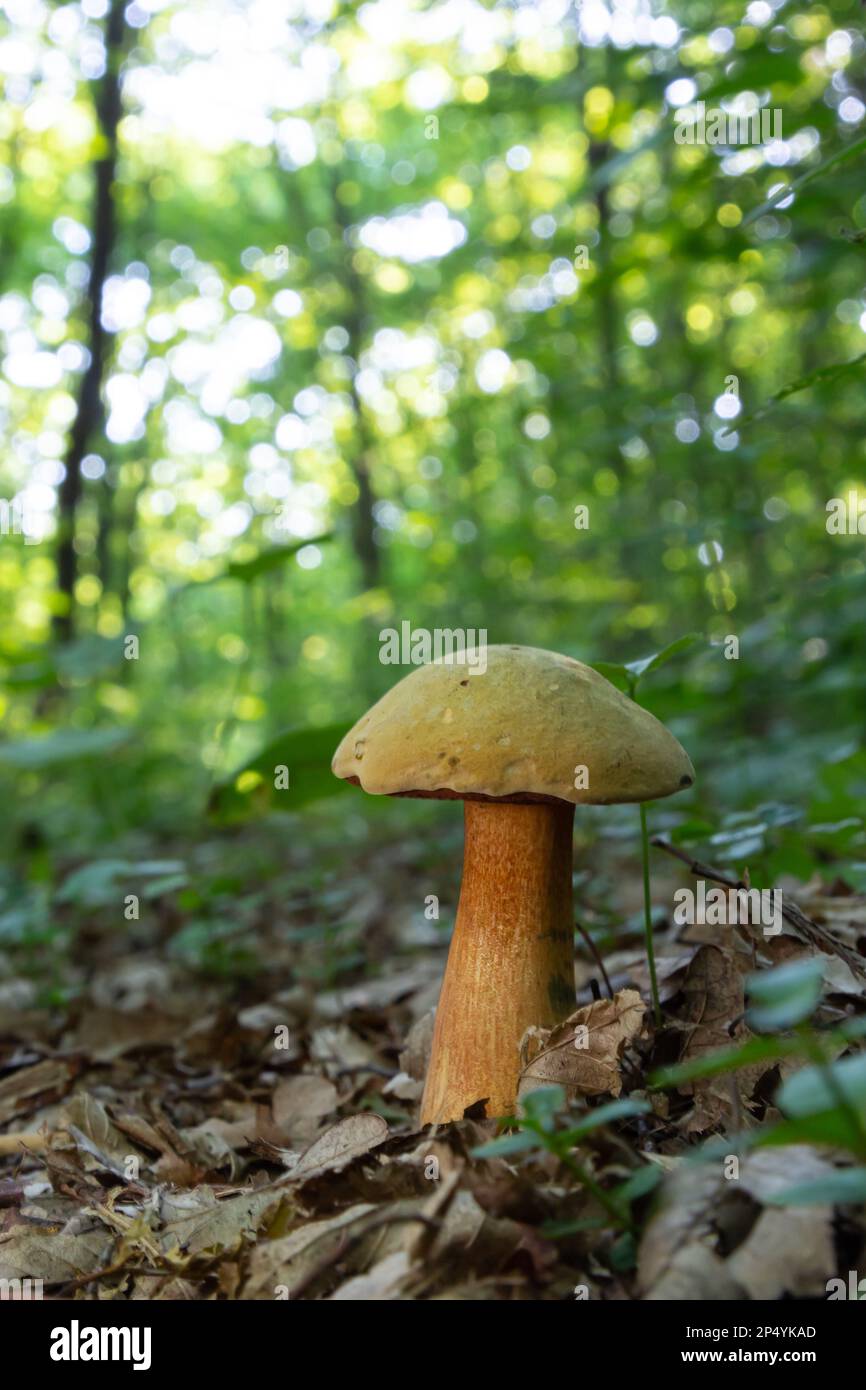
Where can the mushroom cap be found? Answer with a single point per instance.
(517, 731)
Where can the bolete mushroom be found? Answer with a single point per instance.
(521, 744)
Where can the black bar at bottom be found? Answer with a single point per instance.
(214, 1336)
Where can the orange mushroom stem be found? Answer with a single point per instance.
(511, 962)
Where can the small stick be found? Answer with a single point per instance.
(596, 956)
(816, 935)
(11, 1143)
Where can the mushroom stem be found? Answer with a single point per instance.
(511, 962)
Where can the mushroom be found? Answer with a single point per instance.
(520, 743)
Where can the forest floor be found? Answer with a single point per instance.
(252, 1132)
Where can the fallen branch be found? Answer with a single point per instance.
(596, 954)
(11, 1143)
(804, 927)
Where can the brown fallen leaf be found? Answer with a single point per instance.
(241, 1124)
(170, 1166)
(17, 1019)
(629, 968)
(179, 1171)
(713, 1007)
(20, 1085)
(383, 1283)
(415, 1057)
(133, 983)
(839, 978)
(469, 1238)
(88, 1123)
(583, 1053)
(844, 914)
(104, 1034)
(796, 922)
(27, 1254)
(338, 1050)
(714, 1001)
(339, 1146)
(711, 1238)
(377, 994)
(156, 1290)
(288, 1261)
(212, 1225)
(403, 1087)
(300, 1102)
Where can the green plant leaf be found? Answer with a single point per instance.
(69, 745)
(614, 166)
(817, 1089)
(832, 372)
(727, 1059)
(245, 571)
(855, 874)
(690, 832)
(540, 1107)
(251, 789)
(858, 147)
(770, 1049)
(623, 1252)
(614, 672)
(556, 1230)
(626, 674)
(89, 657)
(784, 996)
(96, 884)
(508, 1144)
(845, 1185)
(604, 1115)
(642, 1181)
(642, 667)
(833, 1127)
(248, 570)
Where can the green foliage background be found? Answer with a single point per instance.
(445, 415)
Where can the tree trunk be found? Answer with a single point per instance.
(89, 413)
(363, 524)
(608, 317)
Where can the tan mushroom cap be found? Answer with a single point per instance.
(517, 731)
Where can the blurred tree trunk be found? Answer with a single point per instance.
(366, 551)
(363, 523)
(608, 314)
(125, 520)
(89, 412)
(12, 232)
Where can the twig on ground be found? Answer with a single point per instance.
(804, 926)
(596, 957)
(22, 1139)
